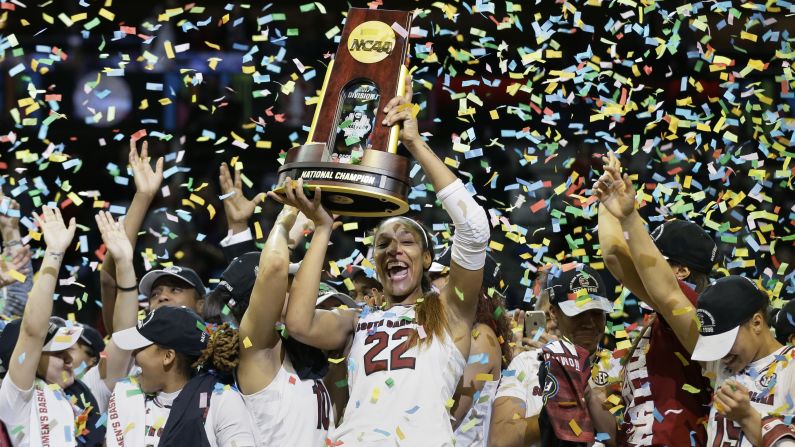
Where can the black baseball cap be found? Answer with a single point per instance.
(492, 277)
(687, 244)
(722, 308)
(577, 288)
(239, 277)
(185, 274)
(784, 323)
(177, 328)
(241, 274)
(93, 339)
(60, 336)
(326, 291)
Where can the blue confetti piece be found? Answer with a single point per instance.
(413, 409)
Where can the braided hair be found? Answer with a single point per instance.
(221, 353)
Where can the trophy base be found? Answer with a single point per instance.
(377, 187)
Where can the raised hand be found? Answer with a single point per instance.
(114, 237)
(237, 207)
(312, 209)
(400, 110)
(147, 180)
(17, 261)
(287, 217)
(57, 235)
(614, 191)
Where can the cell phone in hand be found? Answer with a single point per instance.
(532, 321)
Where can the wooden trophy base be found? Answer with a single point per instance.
(376, 187)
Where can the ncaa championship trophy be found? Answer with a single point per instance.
(349, 154)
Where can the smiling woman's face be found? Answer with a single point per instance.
(400, 259)
(56, 368)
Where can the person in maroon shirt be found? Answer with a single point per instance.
(666, 397)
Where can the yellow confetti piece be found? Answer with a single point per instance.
(575, 428)
(215, 47)
(169, 49)
(496, 246)
(16, 275)
(247, 343)
(334, 268)
(690, 388)
(75, 198)
(374, 396)
(105, 14)
(624, 344)
(257, 231)
(450, 402)
(196, 199)
(682, 310)
(483, 377)
(350, 226)
(681, 358)
(336, 361)
(399, 433)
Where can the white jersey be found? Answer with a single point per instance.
(771, 385)
(291, 411)
(399, 394)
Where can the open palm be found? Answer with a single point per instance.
(57, 235)
(237, 207)
(147, 180)
(114, 237)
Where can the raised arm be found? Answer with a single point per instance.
(618, 196)
(36, 318)
(147, 184)
(616, 255)
(471, 235)
(323, 329)
(259, 361)
(116, 363)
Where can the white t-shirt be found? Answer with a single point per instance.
(228, 423)
(399, 394)
(771, 384)
(17, 411)
(520, 381)
(290, 411)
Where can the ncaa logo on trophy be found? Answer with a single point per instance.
(349, 155)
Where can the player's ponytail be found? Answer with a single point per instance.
(221, 353)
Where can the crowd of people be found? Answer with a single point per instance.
(421, 353)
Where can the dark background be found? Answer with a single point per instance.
(559, 138)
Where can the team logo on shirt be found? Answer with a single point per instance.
(551, 386)
(765, 380)
(707, 322)
(601, 378)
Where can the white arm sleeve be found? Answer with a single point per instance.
(472, 230)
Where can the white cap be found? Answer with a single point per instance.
(714, 347)
(573, 307)
(63, 339)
